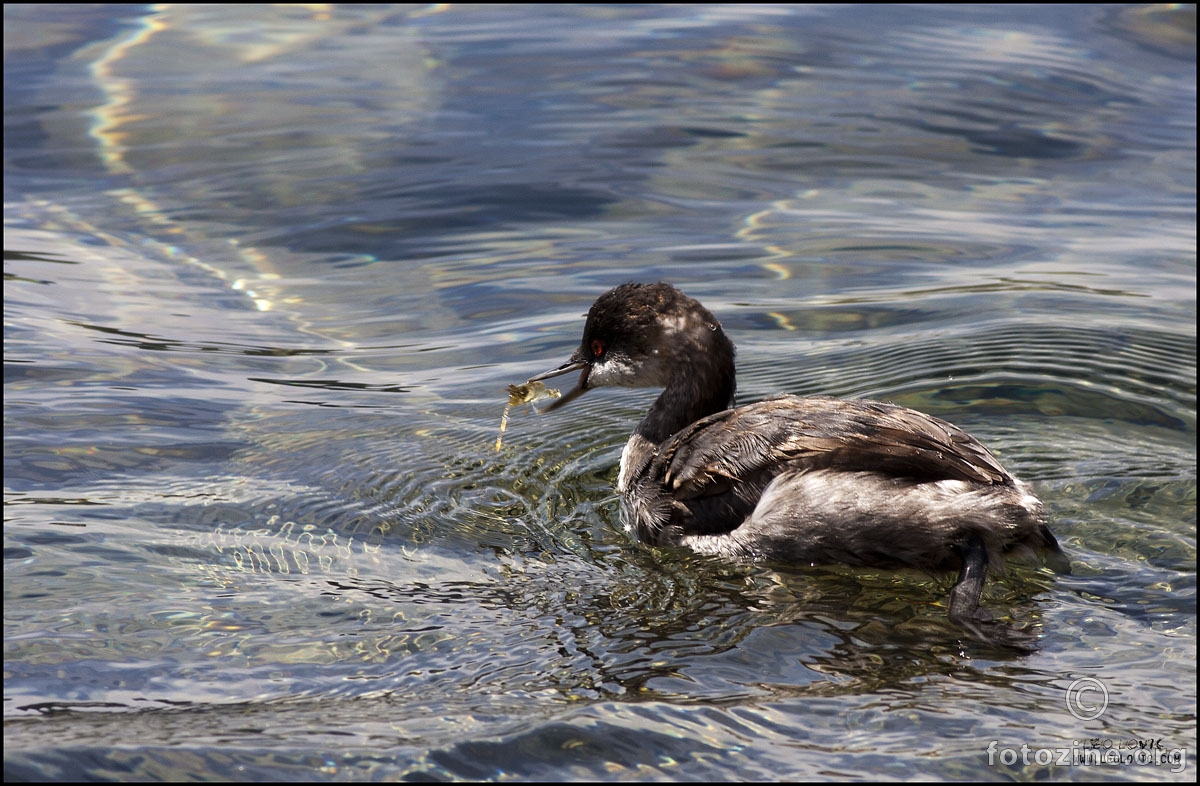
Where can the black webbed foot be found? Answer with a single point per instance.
(965, 610)
(964, 598)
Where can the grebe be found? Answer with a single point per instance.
(812, 480)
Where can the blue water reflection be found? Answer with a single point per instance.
(268, 273)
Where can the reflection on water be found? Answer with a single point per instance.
(270, 270)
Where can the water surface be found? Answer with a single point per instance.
(269, 270)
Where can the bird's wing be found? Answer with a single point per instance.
(721, 451)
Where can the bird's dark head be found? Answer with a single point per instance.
(650, 335)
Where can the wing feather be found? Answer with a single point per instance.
(736, 446)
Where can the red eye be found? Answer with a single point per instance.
(597, 347)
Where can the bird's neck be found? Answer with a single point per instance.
(705, 386)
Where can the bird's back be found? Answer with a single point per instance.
(823, 480)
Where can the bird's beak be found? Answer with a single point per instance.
(574, 364)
